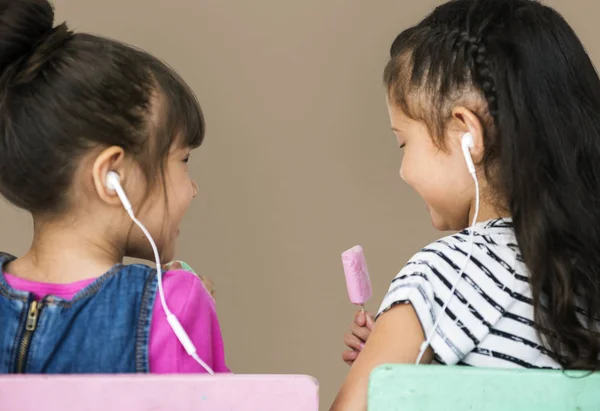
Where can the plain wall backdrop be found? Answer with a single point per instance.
(299, 162)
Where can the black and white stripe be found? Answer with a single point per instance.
(489, 321)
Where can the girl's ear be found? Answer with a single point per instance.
(465, 121)
(110, 159)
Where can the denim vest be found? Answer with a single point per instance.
(104, 329)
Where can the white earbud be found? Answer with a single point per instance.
(467, 144)
(113, 182)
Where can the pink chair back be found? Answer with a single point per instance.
(158, 393)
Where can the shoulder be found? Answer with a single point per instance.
(182, 288)
(469, 279)
(490, 248)
(488, 260)
(195, 309)
(445, 254)
(185, 288)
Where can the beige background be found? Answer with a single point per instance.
(299, 163)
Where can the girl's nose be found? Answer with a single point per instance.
(195, 188)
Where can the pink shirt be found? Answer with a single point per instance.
(186, 297)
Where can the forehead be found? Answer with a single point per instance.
(397, 117)
(180, 144)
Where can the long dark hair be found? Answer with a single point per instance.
(539, 100)
(64, 93)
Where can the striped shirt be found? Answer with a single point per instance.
(489, 321)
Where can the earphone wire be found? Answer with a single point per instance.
(170, 316)
(433, 332)
(114, 183)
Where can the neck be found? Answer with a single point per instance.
(489, 206)
(66, 252)
(487, 212)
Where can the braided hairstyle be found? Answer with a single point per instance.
(523, 71)
(476, 55)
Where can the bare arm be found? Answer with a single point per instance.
(396, 338)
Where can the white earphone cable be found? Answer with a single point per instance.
(113, 182)
(173, 321)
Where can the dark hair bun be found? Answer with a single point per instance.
(24, 24)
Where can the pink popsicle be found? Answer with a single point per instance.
(357, 276)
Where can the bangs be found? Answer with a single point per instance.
(183, 117)
(180, 118)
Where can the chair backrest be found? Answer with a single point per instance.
(450, 388)
(157, 393)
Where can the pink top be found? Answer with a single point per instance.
(187, 298)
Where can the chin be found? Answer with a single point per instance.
(444, 224)
(167, 257)
(167, 253)
(440, 226)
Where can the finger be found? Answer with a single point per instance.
(349, 356)
(207, 282)
(370, 321)
(353, 342)
(360, 332)
(360, 319)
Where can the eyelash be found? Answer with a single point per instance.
(186, 159)
(402, 145)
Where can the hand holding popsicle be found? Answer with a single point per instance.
(360, 291)
(355, 339)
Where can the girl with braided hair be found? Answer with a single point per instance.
(526, 291)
